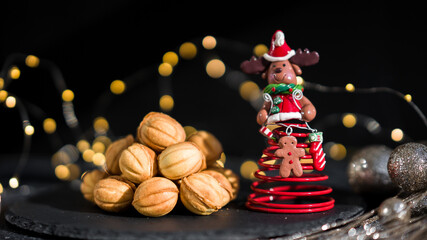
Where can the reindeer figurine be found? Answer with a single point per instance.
(283, 97)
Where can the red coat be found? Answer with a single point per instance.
(284, 107)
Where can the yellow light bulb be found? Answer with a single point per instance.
(74, 171)
(166, 103)
(98, 147)
(248, 168)
(222, 158)
(209, 42)
(187, 50)
(338, 152)
(88, 155)
(350, 87)
(62, 172)
(171, 58)
(408, 97)
(14, 72)
(10, 102)
(260, 49)
(49, 125)
(98, 159)
(117, 87)
(397, 135)
(349, 120)
(249, 90)
(3, 95)
(29, 130)
(100, 125)
(165, 69)
(32, 61)
(189, 130)
(67, 95)
(13, 182)
(83, 145)
(215, 68)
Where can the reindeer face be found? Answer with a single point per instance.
(281, 72)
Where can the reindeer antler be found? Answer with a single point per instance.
(254, 65)
(304, 58)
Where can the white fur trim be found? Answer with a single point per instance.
(275, 59)
(283, 117)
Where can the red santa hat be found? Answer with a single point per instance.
(279, 50)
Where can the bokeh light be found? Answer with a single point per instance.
(189, 130)
(88, 155)
(1, 83)
(222, 158)
(350, 87)
(62, 172)
(83, 145)
(10, 102)
(74, 170)
(300, 80)
(67, 95)
(349, 120)
(408, 97)
(260, 49)
(337, 151)
(165, 69)
(14, 72)
(3, 95)
(60, 157)
(166, 103)
(49, 125)
(171, 58)
(98, 147)
(98, 159)
(100, 125)
(32, 61)
(397, 135)
(117, 87)
(14, 182)
(248, 168)
(249, 90)
(29, 130)
(209, 42)
(187, 50)
(104, 140)
(215, 68)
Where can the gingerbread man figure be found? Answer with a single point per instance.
(291, 154)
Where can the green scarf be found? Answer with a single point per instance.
(281, 88)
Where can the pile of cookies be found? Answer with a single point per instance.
(159, 167)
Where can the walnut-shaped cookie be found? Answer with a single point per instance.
(290, 154)
(159, 130)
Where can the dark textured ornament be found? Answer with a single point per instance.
(407, 167)
(367, 170)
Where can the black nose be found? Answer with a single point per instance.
(277, 70)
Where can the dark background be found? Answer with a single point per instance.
(95, 42)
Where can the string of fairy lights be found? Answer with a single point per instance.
(65, 160)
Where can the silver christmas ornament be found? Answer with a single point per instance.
(407, 167)
(367, 170)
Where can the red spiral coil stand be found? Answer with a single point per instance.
(295, 197)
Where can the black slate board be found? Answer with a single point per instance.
(61, 211)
